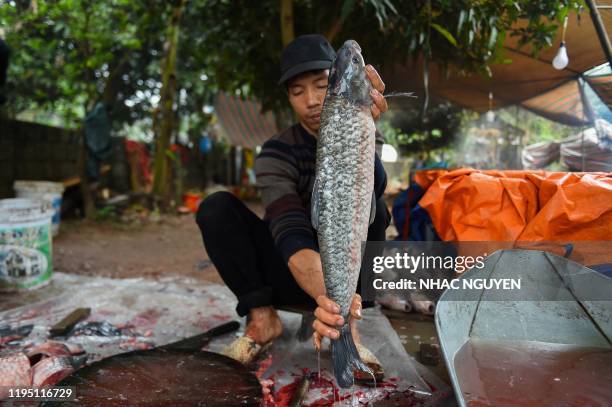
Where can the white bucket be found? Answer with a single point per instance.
(25, 244)
(48, 191)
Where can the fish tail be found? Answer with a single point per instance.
(345, 358)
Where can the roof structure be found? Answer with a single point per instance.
(529, 81)
(242, 121)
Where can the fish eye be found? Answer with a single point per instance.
(355, 60)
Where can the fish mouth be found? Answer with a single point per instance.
(347, 77)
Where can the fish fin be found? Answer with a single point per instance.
(314, 205)
(373, 208)
(345, 357)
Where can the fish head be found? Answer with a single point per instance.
(347, 78)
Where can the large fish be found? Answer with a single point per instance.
(342, 198)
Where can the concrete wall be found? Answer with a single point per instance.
(33, 151)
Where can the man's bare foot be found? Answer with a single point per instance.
(354, 331)
(264, 325)
(366, 356)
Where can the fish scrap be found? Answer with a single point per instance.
(40, 365)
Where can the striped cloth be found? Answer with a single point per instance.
(242, 121)
(602, 85)
(285, 171)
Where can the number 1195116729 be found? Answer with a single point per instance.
(39, 393)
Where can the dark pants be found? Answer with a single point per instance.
(242, 249)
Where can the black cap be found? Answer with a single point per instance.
(306, 53)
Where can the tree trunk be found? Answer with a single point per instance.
(287, 21)
(163, 132)
(89, 209)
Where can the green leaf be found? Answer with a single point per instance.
(126, 38)
(445, 33)
(462, 16)
(492, 37)
(562, 14)
(413, 44)
(517, 6)
(390, 6)
(171, 155)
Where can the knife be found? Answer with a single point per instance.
(195, 343)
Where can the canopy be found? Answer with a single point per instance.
(529, 81)
(602, 85)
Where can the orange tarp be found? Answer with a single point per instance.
(427, 177)
(475, 205)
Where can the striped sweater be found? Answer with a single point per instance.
(285, 171)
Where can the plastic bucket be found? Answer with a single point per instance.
(25, 244)
(192, 200)
(45, 190)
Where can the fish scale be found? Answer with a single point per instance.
(345, 174)
(343, 192)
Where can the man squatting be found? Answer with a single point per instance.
(274, 261)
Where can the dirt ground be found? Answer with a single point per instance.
(171, 246)
(168, 246)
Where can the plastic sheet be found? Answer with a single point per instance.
(589, 150)
(289, 359)
(148, 313)
(540, 155)
(153, 313)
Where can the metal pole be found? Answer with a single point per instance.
(582, 149)
(601, 31)
(588, 114)
(587, 109)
